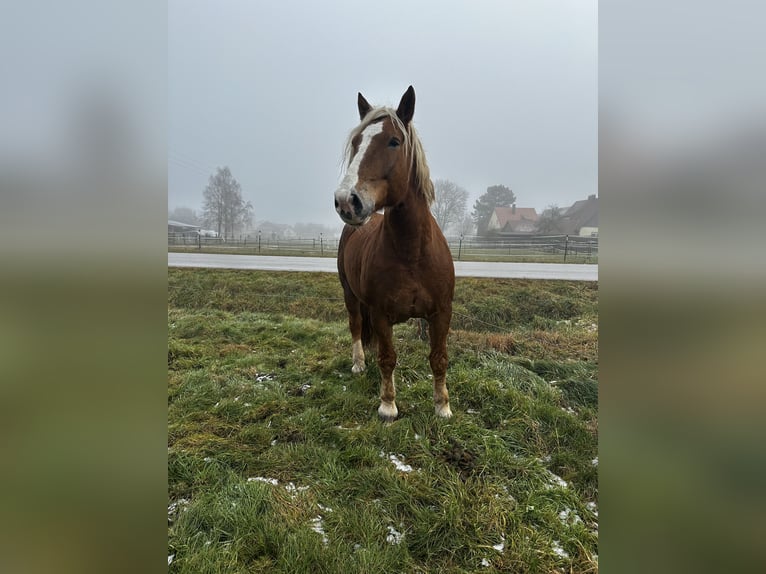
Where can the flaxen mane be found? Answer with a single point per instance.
(419, 172)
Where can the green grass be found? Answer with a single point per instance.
(260, 388)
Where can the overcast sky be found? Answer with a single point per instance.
(506, 94)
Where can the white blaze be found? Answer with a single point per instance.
(352, 173)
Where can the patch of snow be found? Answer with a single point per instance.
(177, 505)
(569, 410)
(264, 377)
(397, 462)
(394, 537)
(305, 387)
(594, 462)
(272, 481)
(501, 546)
(555, 480)
(318, 526)
(170, 558)
(558, 550)
(208, 459)
(274, 442)
(485, 562)
(417, 436)
(472, 412)
(593, 507)
(248, 404)
(292, 489)
(344, 387)
(323, 508)
(569, 516)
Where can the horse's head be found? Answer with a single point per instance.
(379, 154)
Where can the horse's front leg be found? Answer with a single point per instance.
(386, 363)
(438, 330)
(355, 326)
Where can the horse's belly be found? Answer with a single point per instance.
(407, 304)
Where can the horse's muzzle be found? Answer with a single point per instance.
(352, 208)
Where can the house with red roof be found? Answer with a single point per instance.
(513, 220)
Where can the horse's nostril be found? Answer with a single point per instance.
(356, 202)
(336, 204)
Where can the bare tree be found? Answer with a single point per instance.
(550, 220)
(449, 207)
(466, 225)
(223, 207)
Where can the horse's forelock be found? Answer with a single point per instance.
(412, 146)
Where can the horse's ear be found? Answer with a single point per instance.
(363, 105)
(406, 108)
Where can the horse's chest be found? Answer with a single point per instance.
(403, 300)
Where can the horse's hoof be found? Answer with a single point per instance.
(443, 411)
(356, 369)
(388, 413)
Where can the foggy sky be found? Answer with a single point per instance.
(506, 94)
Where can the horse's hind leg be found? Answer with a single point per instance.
(438, 330)
(386, 362)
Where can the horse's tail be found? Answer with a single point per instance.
(368, 335)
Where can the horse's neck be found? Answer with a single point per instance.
(408, 224)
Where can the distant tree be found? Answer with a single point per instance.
(185, 215)
(223, 208)
(496, 196)
(550, 220)
(466, 225)
(449, 207)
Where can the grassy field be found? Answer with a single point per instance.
(277, 461)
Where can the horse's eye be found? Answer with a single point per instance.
(393, 142)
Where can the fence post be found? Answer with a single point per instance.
(321, 244)
(259, 241)
(199, 241)
(566, 247)
(460, 247)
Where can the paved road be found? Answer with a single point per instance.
(579, 272)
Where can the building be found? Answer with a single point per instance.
(581, 218)
(513, 220)
(180, 233)
(177, 227)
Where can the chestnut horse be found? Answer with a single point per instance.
(396, 265)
